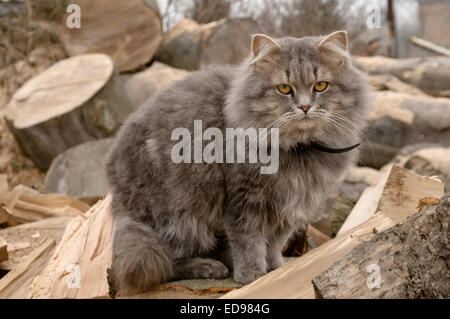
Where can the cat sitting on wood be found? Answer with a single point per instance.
(194, 218)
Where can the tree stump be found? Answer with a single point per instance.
(191, 46)
(76, 100)
(130, 32)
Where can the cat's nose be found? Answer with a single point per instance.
(305, 108)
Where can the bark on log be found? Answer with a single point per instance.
(430, 74)
(130, 32)
(74, 101)
(411, 261)
(16, 283)
(293, 280)
(191, 46)
(81, 258)
(27, 205)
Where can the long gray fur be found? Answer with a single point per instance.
(206, 220)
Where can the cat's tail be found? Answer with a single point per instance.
(139, 260)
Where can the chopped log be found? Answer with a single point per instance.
(430, 46)
(293, 280)
(80, 172)
(76, 100)
(130, 32)
(191, 46)
(396, 196)
(25, 238)
(78, 267)
(27, 205)
(3, 250)
(16, 283)
(140, 86)
(430, 74)
(399, 119)
(409, 260)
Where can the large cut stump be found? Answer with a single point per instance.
(141, 85)
(128, 31)
(76, 100)
(80, 171)
(191, 46)
(410, 260)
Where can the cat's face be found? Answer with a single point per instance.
(306, 87)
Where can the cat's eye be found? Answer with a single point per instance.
(320, 86)
(284, 88)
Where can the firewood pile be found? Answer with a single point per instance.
(384, 232)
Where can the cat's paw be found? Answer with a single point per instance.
(275, 262)
(201, 268)
(247, 276)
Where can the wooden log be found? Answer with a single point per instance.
(430, 74)
(25, 238)
(388, 197)
(76, 100)
(27, 205)
(400, 119)
(80, 171)
(78, 267)
(3, 250)
(293, 280)
(191, 46)
(140, 86)
(130, 32)
(430, 46)
(409, 260)
(16, 283)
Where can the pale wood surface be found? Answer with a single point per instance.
(129, 31)
(397, 195)
(27, 205)
(16, 283)
(85, 249)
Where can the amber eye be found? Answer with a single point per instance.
(284, 88)
(320, 86)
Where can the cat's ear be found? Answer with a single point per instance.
(263, 46)
(334, 47)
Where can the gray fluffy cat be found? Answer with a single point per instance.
(208, 220)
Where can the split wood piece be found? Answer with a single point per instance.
(409, 260)
(293, 280)
(78, 267)
(191, 46)
(27, 205)
(3, 250)
(76, 100)
(130, 32)
(396, 195)
(25, 238)
(16, 283)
